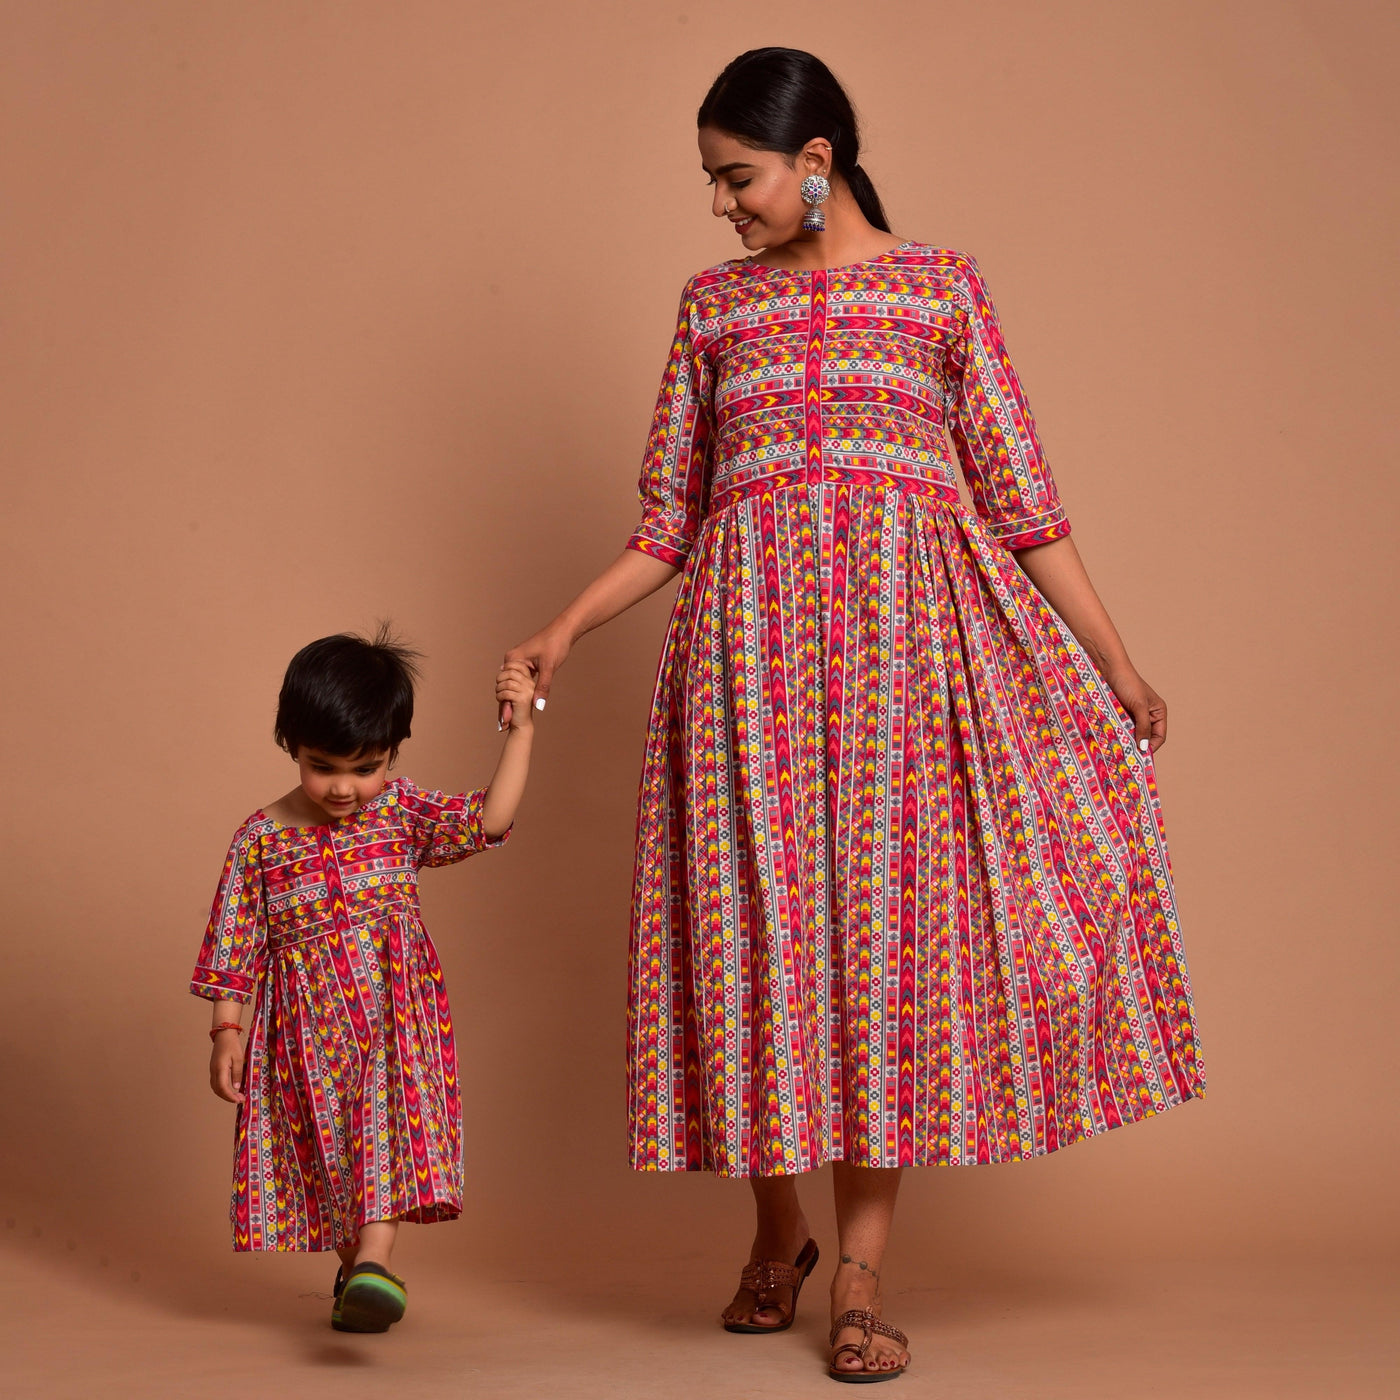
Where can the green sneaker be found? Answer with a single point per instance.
(367, 1299)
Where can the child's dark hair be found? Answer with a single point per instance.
(348, 696)
(780, 99)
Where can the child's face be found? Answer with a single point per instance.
(340, 785)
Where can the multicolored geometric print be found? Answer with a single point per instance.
(353, 1111)
(902, 892)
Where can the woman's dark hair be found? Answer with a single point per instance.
(348, 696)
(780, 99)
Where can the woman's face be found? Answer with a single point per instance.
(759, 192)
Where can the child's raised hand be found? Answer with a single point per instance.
(226, 1067)
(515, 686)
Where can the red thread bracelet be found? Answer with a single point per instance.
(225, 1026)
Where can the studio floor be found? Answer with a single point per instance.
(259, 1327)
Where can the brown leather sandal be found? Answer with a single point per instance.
(763, 1278)
(870, 1324)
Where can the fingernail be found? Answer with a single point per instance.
(539, 702)
(1144, 745)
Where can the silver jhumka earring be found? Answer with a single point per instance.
(815, 191)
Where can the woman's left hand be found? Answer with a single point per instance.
(1148, 709)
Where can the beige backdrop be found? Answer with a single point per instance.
(317, 313)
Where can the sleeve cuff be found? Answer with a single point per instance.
(1022, 534)
(455, 830)
(476, 802)
(660, 544)
(215, 984)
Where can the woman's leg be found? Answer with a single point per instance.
(781, 1232)
(865, 1198)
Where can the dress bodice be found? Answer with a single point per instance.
(857, 374)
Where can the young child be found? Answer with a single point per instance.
(349, 1119)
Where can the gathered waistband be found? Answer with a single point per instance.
(280, 939)
(279, 942)
(727, 495)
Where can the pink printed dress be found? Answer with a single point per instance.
(902, 892)
(353, 1111)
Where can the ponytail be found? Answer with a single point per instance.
(864, 191)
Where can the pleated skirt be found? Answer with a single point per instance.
(902, 892)
(353, 1110)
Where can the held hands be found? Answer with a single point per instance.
(226, 1067)
(631, 577)
(515, 692)
(541, 655)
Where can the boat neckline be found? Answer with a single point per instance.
(749, 262)
(262, 814)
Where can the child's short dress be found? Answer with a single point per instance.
(353, 1111)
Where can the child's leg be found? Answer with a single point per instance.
(376, 1242)
(375, 1245)
(372, 1299)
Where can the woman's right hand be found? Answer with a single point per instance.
(543, 653)
(629, 578)
(226, 1067)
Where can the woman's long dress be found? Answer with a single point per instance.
(352, 1108)
(902, 894)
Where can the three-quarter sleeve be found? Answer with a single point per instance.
(990, 421)
(231, 956)
(443, 829)
(675, 470)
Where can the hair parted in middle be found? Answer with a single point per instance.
(348, 695)
(780, 99)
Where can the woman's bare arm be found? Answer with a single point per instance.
(631, 577)
(1058, 572)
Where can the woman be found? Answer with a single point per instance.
(902, 894)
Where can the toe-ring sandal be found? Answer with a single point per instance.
(870, 1324)
(367, 1299)
(764, 1277)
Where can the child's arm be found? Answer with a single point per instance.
(226, 1058)
(515, 685)
(230, 957)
